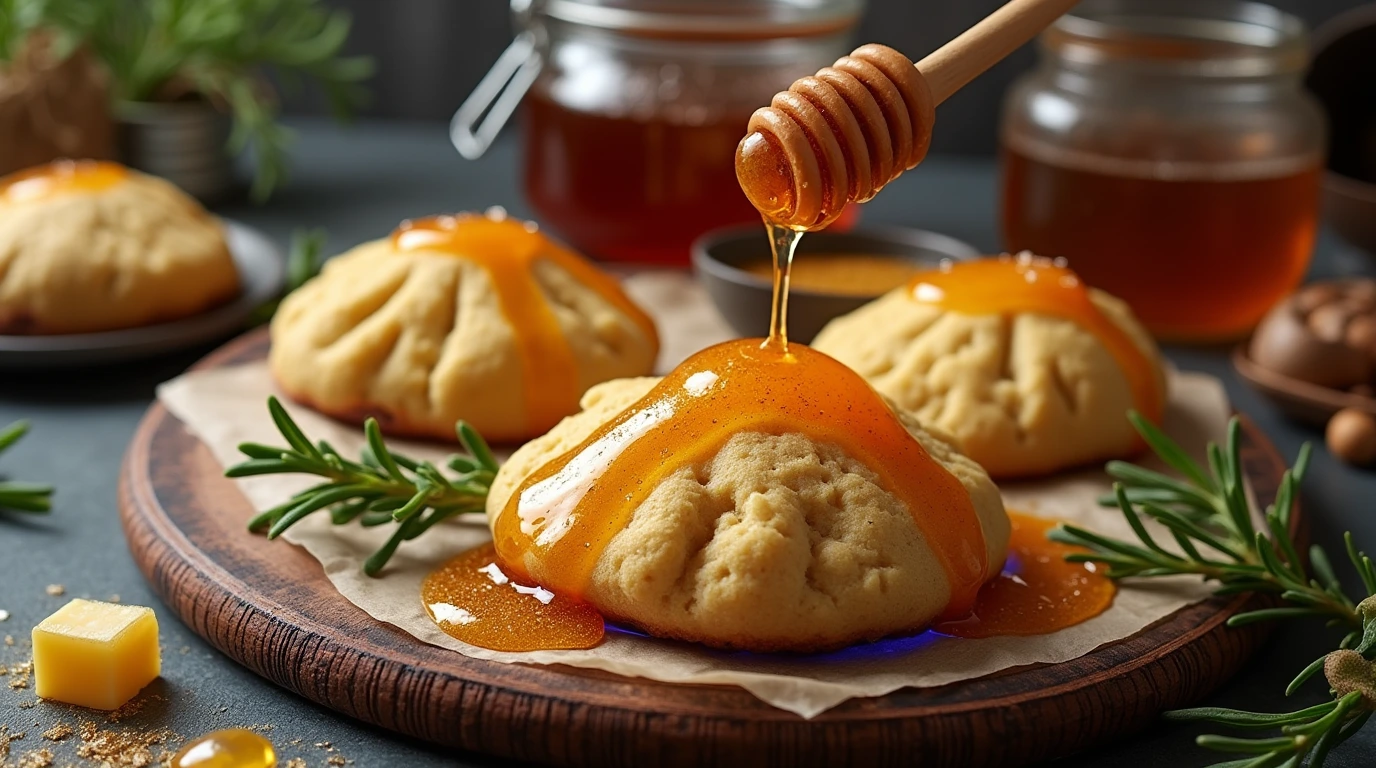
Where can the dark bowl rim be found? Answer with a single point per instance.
(1350, 187)
(703, 261)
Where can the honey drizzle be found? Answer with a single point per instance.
(1038, 591)
(61, 177)
(472, 600)
(507, 250)
(1012, 285)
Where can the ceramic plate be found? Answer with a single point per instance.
(262, 271)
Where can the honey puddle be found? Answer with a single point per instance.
(1038, 592)
(472, 599)
(557, 524)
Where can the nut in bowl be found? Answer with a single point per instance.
(833, 273)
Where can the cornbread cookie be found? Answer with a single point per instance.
(473, 317)
(1023, 393)
(775, 543)
(92, 246)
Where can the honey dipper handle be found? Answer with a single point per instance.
(980, 47)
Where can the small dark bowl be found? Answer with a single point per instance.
(744, 298)
(1340, 75)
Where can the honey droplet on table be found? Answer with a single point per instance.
(233, 748)
(1038, 591)
(473, 600)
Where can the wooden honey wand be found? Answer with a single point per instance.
(839, 136)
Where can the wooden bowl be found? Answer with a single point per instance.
(1300, 400)
(744, 298)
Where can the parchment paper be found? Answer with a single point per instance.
(225, 407)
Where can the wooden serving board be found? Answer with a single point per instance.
(271, 609)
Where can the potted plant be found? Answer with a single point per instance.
(197, 82)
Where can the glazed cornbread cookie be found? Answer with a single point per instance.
(1027, 368)
(92, 246)
(473, 317)
(764, 541)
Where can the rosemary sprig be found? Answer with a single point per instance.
(383, 487)
(1207, 515)
(221, 51)
(17, 496)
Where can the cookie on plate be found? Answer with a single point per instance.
(90, 246)
(772, 542)
(471, 317)
(1028, 369)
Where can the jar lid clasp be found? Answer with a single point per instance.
(497, 95)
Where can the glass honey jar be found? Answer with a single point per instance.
(633, 109)
(1167, 150)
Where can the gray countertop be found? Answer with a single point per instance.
(358, 183)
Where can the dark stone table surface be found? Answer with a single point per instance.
(358, 183)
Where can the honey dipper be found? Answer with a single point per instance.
(839, 136)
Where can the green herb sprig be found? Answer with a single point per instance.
(220, 50)
(17, 496)
(1207, 515)
(382, 488)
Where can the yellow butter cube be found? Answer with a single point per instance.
(94, 654)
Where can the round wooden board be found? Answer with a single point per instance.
(271, 608)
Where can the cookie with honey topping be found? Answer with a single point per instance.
(1028, 369)
(91, 246)
(727, 505)
(472, 317)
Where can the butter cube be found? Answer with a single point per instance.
(94, 654)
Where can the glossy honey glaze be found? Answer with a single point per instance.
(1038, 591)
(508, 250)
(472, 599)
(557, 524)
(232, 748)
(61, 177)
(1023, 284)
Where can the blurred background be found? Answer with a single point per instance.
(430, 54)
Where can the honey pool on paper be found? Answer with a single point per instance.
(555, 527)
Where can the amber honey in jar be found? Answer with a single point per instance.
(633, 109)
(1167, 150)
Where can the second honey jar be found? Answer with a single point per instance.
(1167, 150)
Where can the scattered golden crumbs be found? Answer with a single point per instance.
(28, 704)
(9, 639)
(323, 744)
(296, 762)
(56, 590)
(5, 738)
(122, 748)
(336, 760)
(59, 732)
(39, 758)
